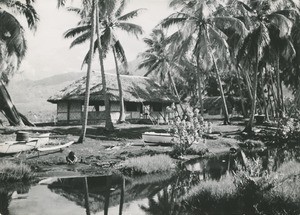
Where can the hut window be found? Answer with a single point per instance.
(157, 107)
(131, 106)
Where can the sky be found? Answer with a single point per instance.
(49, 53)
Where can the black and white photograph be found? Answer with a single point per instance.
(150, 107)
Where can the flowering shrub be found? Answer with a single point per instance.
(189, 131)
(288, 129)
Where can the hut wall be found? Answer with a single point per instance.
(75, 111)
(69, 111)
(95, 117)
(62, 111)
(160, 116)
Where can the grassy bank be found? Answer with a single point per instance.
(12, 172)
(147, 165)
(243, 193)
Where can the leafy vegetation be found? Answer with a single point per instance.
(250, 191)
(147, 164)
(12, 172)
(188, 134)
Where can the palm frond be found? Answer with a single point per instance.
(130, 28)
(76, 10)
(237, 25)
(29, 12)
(81, 39)
(121, 8)
(283, 24)
(174, 19)
(121, 53)
(12, 33)
(130, 15)
(77, 30)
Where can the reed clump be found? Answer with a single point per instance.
(147, 164)
(15, 172)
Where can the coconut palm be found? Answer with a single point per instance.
(111, 19)
(265, 17)
(158, 60)
(12, 51)
(201, 28)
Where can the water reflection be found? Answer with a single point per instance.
(8, 192)
(157, 194)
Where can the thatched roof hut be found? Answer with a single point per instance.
(142, 96)
(135, 89)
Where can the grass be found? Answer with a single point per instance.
(242, 193)
(12, 172)
(147, 164)
(211, 197)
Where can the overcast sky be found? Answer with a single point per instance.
(49, 53)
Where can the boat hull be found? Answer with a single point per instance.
(158, 138)
(14, 147)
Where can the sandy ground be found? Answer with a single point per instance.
(102, 151)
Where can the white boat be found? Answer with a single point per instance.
(13, 147)
(159, 138)
(53, 148)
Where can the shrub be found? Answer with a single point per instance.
(248, 191)
(147, 164)
(288, 130)
(189, 131)
(12, 172)
(211, 197)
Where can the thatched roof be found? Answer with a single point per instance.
(135, 89)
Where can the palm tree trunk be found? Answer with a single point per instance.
(199, 87)
(248, 82)
(280, 110)
(122, 196)
(7, 107)
(241, 92)
(274, 95)
(282, 100)
(226, 115)
(88, 77)
(86, 197)
(270, 101)
(249, 125)
(108, 123)
(122, 107)
(175, 90)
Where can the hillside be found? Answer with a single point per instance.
(30, 96)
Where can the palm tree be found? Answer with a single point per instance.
(111, 19)
(157, 58)
(265, 17)
(200, 25)
(90, 15)
(12, 51)
(88, 74)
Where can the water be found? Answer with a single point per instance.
(114, 194)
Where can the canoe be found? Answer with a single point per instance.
(53, 148)
(42, 140)
(158, 138)
(14, 147)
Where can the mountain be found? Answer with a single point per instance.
(30, 96)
